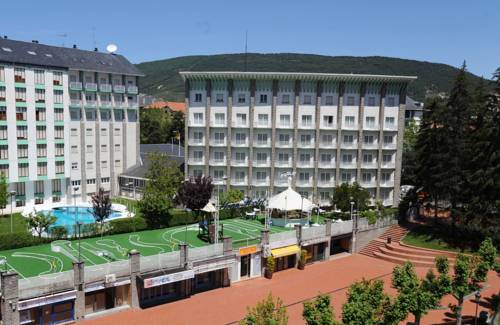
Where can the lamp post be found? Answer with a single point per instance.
(79, 224)
(477, 295)
(354, 226)
(75, 189)
(12, 195)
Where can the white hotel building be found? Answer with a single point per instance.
(68, 119)
(252, 127)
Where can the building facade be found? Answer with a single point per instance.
(249, 130)
(68, 121)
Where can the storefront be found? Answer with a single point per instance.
(54, 309)
(99, 297)
(212, 274)
(315, 251)
(157, 288)
(340, 244)
(285, 257)
(249, 262)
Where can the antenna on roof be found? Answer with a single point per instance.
(246, 49)
(111, 48)
(63, 36)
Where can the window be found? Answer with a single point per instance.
(350, 100)
(306, 120)
(41, 169)
(219, 137)
(324, 196)
(219, 98)
(241, 119)
(23, 171)
(368, 139)
(385, 177)
(370, 121)
(4, 170)
(197, 98)
(263, 119)
(118, 163)
(346, 177)
(2, 93)
(347, 158)
(74, 149)
(90, 165)
(74, 166)
(41, 150)
(105, 115)
(197, 173)
(285, 99)
(304, 176)
(2, 73)
(40, 95)
(19, 75)
(198, 118)
(371, 101)
(261, 157)
(366, 177)
(74, 132)
(22, 132)
(197, 137)
(349, 120)
(20, 95)
(327, 139)
(89, 149)
(305, 158)
(21, 114)
(261, 138)
(104, 148)
(218, 174)
(56, 185)
(307, 100)
(284, 139)
(104, 164)
(105, 180)
(263, 98)
(119, 116)
(240, 138)
(59, 114)
(76, 183)
(240, 157)
(3, 113)
(261, 176)
(90, 114)
(198, 155)
(387, 158)
(219, 156)
(325, 177)
(4, 152)
(75, 115)
(90, 181)
(285, 120)
(58, 78)
(239, 176)
(117, 131)
(283, 157)
(305, 139)
(388, 139)
(242, 98)
(89, 132)
(367, 158)
(220, 118)
(391, 101)
(348, 139)
(326, 158)
(59, 132)
(22, 151)
(58, 96)
(389, 121)
(329, 100)
(328, 120)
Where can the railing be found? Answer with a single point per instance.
(379, 223)
(341, 227)
(371, 127)
(205, 252)
(46, 284)
(390, 127)
(76, 102)
(132, 89)
(160, 261)
(119, 88)
(313, 232)
(369, 165)
(106, 88)
(90, 86)
(75, 85)
(98, 272)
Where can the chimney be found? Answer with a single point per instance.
(74, 46)
(95, 49)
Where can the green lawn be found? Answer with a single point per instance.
(429, 241)
(19, 223)
(58, 256)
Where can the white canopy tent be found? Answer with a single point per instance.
(289, 200)
(210, 208)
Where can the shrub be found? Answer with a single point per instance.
(120, 226)
(371, 215)
(58, 232)
(271, 263)
(18, 240)
(181, 217)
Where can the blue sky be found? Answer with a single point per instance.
(445, 31)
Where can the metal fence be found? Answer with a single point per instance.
(46, 284)
(379, 223)
(160, 261)
(98, 272)
(313, 232)
(204, 252)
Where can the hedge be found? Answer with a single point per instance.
(120, 226)
(18, 240)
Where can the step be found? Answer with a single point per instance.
(410, 250)
(401, 261)
(434, 251)
(412, 257)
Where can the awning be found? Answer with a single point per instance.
(284, 251)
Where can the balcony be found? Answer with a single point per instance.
(118, 104)
(260, 182)
(239, 163)
(283, 163)
(75, 103)
(348, 165)
(90, 86)
(330, 183)
(90, 103)
(75, 85)
(283, 144)
(262, 125)
(328, 126)
(217, 162)
(196, 161)
(389, 146)
(280, 182)
(238, 181)
(105, 88)
(196, 142)
(120, 89)
(133, 104)
(306, 144)
(304, 183)
(196, 122)
(105, 104)
(390, 127)
(261, 144)
(132, 89)
(262, 163)
(388, 183)
(305, 163)
(239, 124)
(349, 145)
(328, 145)
(371, 127)
(369, 165)
(326, 164)
(217, 143)
(388, 165)
(371, 183)
(284, 125)
(218, 124)
(370, 145)
(306, 126)
(239, 143)
(349, 126)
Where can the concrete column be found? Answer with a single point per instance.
(361, 120)
(135, 269)
(183, 248)
(83, 147)
(79, 278)
(296, 102)
(227, 245)
(273, 136)
(229, 130)
(339, 131)
(298, 232)
(250, 137)
(380, 138)
(264, 236)
(328, 234)
(399, 147)
(208, 104)
(319, 91)
(114, 186)
(186, 128)
(10, 298)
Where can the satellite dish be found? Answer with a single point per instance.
(111, 48)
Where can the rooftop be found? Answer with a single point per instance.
(31, 53)
(293, 76)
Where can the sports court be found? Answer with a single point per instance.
(59, 255)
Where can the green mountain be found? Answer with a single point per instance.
(163, 81)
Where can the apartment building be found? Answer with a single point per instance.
(68, 121)
(248, 130)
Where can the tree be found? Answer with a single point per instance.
(366, 302)
(410, 162)
(155, 126)
(343, 194)
(195, 192)
(41, 222)
(4, 193)
(177, 125)
(266, 312)
(319, 311)
(231, 196)
(155, 208)
(101, 207)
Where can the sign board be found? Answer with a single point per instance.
(47, 300)
(168, 278)
(248, 250)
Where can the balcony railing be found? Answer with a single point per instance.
(368, 183)
(306, 125)
(283, 163)
(90, 103)
(217, 142)
(330, 126)
(132, 89)
(373, 127)
(196, 142)
(350, 126)
(218, 123)
(261, 124)
(196, 161)
(262, 163)
(238, 181)
(371, 164)
(280, 182)
(389, 164)
(391, 146)
(349, 145)
(261, 143)
(105, 104)
(326, 164)
(261, 182)
(75, 102)
(326, 183)
(240, 124)
(390, 127)
(217, 162)
(90, 86)
(239, 143)
(304, 183)
(346, 164)
(283, 144)
(196, 122)
(304, 163)
(370, 145)
(75, 85)
(119, 89)
(105, 88)
(235, 162)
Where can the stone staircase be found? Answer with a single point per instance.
(396, 232)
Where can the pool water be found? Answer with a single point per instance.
(67, 218)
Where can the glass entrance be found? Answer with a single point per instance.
(245, 266)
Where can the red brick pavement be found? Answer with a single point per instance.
(228, 305)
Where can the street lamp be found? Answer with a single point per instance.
(79, 224)
(12, 195)
(477, 295)
(75, 189)
(354, 225)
